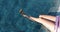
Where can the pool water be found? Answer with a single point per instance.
(12, 21)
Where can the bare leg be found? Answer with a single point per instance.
(47, 24)
(52, 18)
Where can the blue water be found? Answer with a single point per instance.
(12, 21)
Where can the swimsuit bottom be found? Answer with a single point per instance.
(57, 24)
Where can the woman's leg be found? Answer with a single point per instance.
(53, 18)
